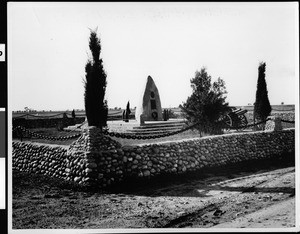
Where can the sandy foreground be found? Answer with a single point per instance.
(275, 216)
(262, 198)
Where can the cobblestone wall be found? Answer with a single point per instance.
(99, 161)
(40, 159)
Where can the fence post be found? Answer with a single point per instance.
(273, 124)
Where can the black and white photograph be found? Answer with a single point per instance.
(153, 117)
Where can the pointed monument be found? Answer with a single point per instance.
(150, 106)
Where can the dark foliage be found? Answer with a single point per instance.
(127, 112)
(166, 114)
(262, 107)
(73, 114)
(206, 105)
(172, 114)
(96, 108)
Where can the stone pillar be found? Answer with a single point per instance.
(92, 147)
(274, 124)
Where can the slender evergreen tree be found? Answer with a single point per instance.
(95, 85)
(262, 107)
(128, 111)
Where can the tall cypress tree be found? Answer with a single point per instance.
(262, 107)
(95, 85)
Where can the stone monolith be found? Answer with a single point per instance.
(150, 107)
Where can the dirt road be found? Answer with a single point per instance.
(256, 197)
(279, 215)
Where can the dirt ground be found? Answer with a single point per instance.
(252, 195)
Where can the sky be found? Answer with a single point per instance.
(48, 50)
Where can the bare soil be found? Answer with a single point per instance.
(246, 195)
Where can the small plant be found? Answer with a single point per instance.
(166, 114)
(127, 112)
(73, 114)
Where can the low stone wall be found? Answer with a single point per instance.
(89, 161)
(190, 155)
(75, 163)
(290, 116)
(284, 115)
(42, 159)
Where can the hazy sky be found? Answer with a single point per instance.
(48, 50)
